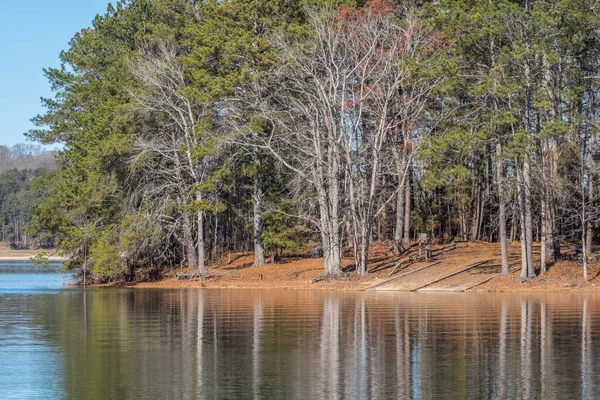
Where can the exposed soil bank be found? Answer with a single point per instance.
(563, 276)
(237, 272)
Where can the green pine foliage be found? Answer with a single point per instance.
(516, 87)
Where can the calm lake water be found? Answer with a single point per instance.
(57, 342)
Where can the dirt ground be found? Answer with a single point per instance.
(236, 271)
(564, 275)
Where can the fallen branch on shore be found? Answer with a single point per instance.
(194, 276)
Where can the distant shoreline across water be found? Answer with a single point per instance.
(27, 259)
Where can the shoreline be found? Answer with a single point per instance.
(26, 259)
(23, 256)
(255, 279)
(337, 286)
(237, 272)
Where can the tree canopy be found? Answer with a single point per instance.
(191, 128)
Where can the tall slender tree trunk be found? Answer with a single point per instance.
(259, 250)
(525, 270)
(85, 265)
(550, 242)
(364, 262)
(526, 222)
(201, 251)
(544, 249)
(215, 247)
(584, 218)
(461, 221)
(399, 228)
(513, 229)
(528, 217)
(584, 253)
(188, 239)
(548, 249)
(356, 230)
(589, 230)
(400, 159)
(407, 194)
(500, 179)
(501, 208)
(475, 221)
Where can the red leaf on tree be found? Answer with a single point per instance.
(405, 147)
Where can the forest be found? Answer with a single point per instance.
(192, 128)
(21, 166)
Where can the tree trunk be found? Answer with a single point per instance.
(400, 159)
(85, 259)
(475, 220)
(463, 223)
(548, 243)
(331, 255)
(522, 228)
(500, 182)
(543, 249)
(188, 239)
(523, 187)
(201, 252)
(528, 217)
(329, 235)
(513, 228)
(529, 271)
(589, 232)
(584, 253)
(399, 228)
(407, 193)
(584, 222)
(501, 208)
(259, 250)
(364, 250)
(551, 244)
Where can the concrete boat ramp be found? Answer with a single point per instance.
(448, 273)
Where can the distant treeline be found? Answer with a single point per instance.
(26, 156)
(20, 166)
(193, 128)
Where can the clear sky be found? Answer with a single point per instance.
(32, 34)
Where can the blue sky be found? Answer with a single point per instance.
(32, 34)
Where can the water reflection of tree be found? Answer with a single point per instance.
(257, 345)
(548, 378)
(587, 384)
(526, 348)
(330, 348)
(214, 344)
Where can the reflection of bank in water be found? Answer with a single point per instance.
(304, 344)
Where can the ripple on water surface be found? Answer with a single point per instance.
(57, 342)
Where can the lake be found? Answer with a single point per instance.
(60, 342)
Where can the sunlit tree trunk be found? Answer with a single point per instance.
(501, 208)
(201, 249)
(407, 195)
(259, 250)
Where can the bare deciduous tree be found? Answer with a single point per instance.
(178, 150)
(336, 109)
